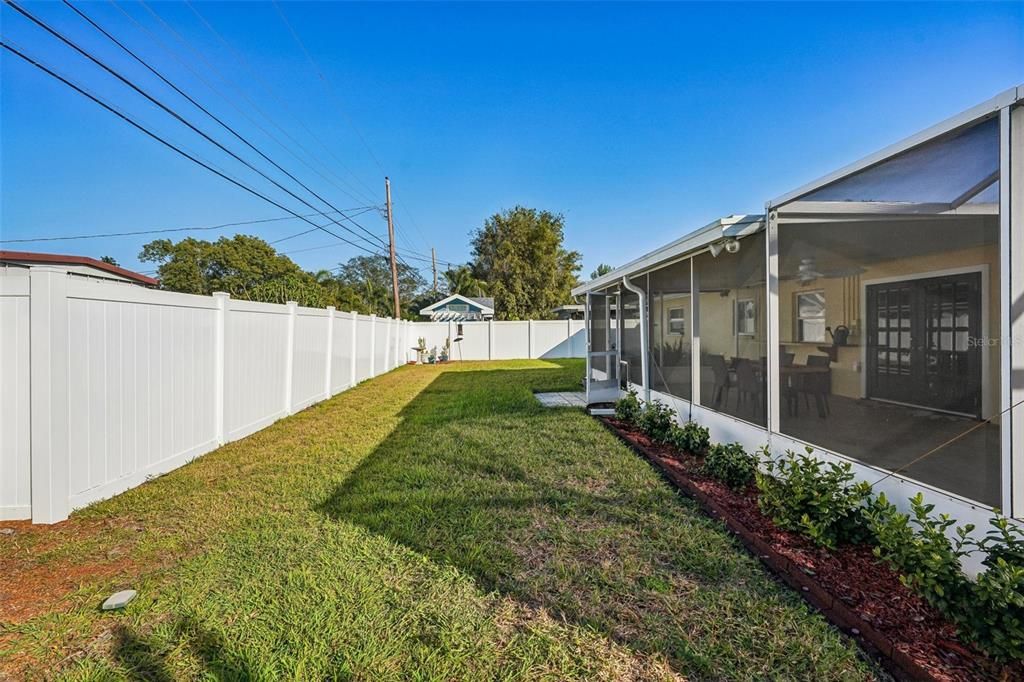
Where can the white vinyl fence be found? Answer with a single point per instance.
(106, 384)
(505, 340)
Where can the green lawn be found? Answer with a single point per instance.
(434, 523)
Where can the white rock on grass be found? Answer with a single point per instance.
(119, 600)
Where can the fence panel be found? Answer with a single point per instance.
(380, 350)
(341, 352)
(124, 383)
(15, 424)
(309, 363)
(511, 340)
(364, 354)
(255, 363)
(140, 385)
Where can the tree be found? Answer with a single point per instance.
(602, 269)
(233, 264)
(460, 280)
(519, 254)
(370, 278)
(110, 260)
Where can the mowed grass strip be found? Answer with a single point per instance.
(434, 523)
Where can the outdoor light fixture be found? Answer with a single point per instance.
(715, 249)
(732, 246)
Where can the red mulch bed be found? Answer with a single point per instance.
(856, 591)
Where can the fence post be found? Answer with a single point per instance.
(490, 339)
(529, 339)
(387, 343)
(220, 299)
(373, 345)
(570, 351)
(355, 338)
(330, 351)
(289, 361)
(48, 372)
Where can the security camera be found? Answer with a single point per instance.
(732, 246)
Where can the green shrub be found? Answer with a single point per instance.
(691, 437)
(628, 408)
(995, 619)
(820, 500)
(657, 421)
(730, 464)
(919, 548)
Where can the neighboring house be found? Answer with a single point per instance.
(572, 311)
(76, 265)
(873, 315)
(459, 308)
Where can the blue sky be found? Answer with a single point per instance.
(639, 122)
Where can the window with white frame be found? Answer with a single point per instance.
(810, 320)
(458, 307)
(677, 321)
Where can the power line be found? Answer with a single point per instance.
(169, 230)
(207, 112)
(348, 119)
(127, 119)
(240, 58)
(168, 110)
(351, 192)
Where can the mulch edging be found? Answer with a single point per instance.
(831, 605)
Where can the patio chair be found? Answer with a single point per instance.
(749, 386)
(818, 386)
(722, 379)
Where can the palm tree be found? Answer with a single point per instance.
(461, 281)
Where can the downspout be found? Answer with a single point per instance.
(642, 295)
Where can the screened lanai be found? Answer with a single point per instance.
(890, 281)
(874, 315)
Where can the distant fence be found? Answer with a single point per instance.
(106, 384)
(505, 340)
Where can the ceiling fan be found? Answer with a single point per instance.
(808, 271)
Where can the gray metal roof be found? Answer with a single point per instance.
(729, 226)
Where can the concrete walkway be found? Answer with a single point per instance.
(562, 399)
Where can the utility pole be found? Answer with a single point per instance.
(433, 263)
(391, 242)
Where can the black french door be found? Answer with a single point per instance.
(924, 342)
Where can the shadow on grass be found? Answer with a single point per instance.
(144, 657)
(544, 506)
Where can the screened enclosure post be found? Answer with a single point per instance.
(586, 329)
(1011, 211)
(772, 323)
(354, 341)
(330, 351)
(694, 335)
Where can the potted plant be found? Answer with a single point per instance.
(432, 357)
(446, 350)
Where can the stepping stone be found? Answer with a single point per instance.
(119, 600)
